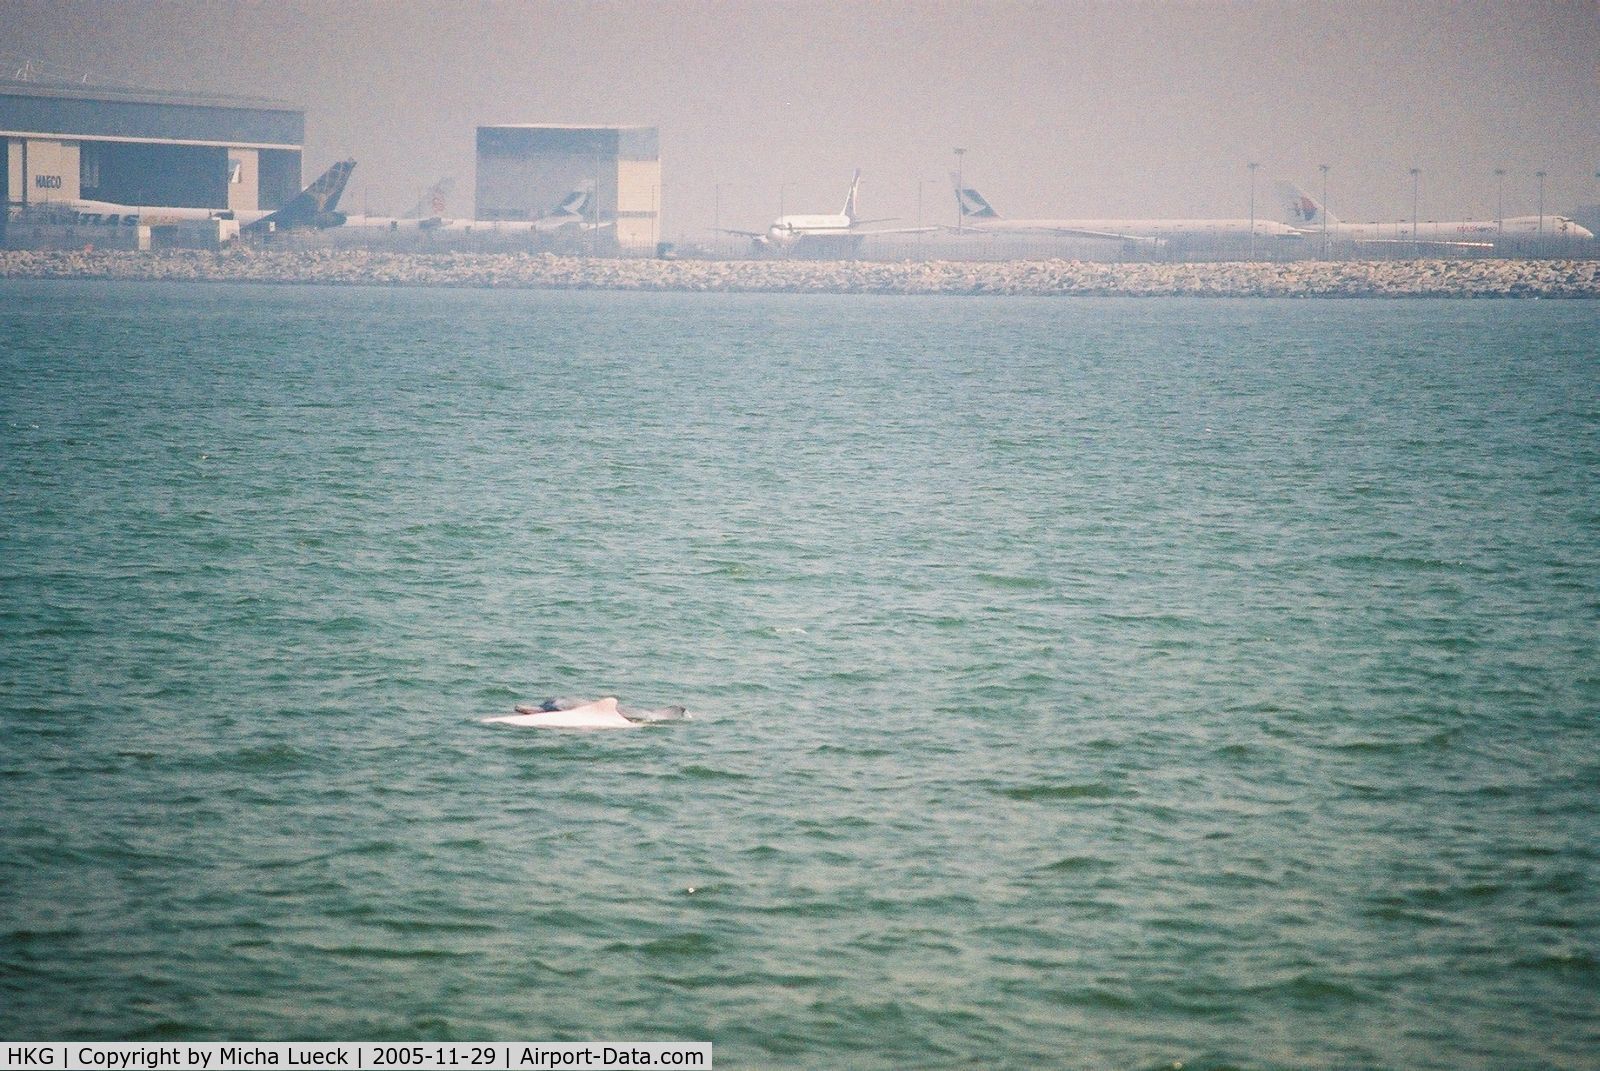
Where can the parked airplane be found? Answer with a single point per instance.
(1307, 214)
(840, 232)
(978, 215)
(314, 206)
(573, 215)
(431, 204)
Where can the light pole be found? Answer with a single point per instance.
(1324, 210)
(1416, 175)
(1500, 201)
(594, 231)
(959, 154)
(1540, 176)
(920, 235)
(1253, 167)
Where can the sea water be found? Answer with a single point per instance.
(1077, 683)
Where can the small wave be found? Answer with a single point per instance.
(866, 752)
(1440, 739)
(731, 570)
(747, 980)
(1312, 991)
(1203, 1063)
(373, 847)
(1582, 964)
(256, 759)
(1009, 582)
(1093, 790)
(695, 772)
(31, 936)
(288, 864)
(1087, 997)
(873, 1013)
(342, 625)
(430, 926)
(1074, 864)
(692, 943)
(1424, 905)
(167, 1030)
(384, 952)
(1398, 563)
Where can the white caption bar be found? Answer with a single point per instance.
(363, 1056)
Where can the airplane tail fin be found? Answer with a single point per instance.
(1300, 209)
(432, 203)
(850, 202)
(315, 206)
(576, 205)
(971, 202)
(578, 209)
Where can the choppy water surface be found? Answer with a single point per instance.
(1086, 684)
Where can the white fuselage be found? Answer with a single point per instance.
(1135, 229)
(1468, 231)
(548, 225)
(786, 229)
(107, 214)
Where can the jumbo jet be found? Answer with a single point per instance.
(841, 230)
(1306, 214)
(573, 214)
(315, 206)
(979, 215)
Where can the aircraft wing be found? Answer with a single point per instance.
(553, 224)
(1424, 241)
(1442, 243)
(1079, 232)
(1059, 232)
(744, 234)
(899, 230)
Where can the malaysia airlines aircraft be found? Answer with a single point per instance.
(572, 215)
(1307, 214)
(315, 206)
(431, 204)
(978, 215)
(841, 230)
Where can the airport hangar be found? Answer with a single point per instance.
(525, 169)
(141, 147)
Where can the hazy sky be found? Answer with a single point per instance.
(1066, 109)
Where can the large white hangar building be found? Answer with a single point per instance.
(140, 147)
(525, 171)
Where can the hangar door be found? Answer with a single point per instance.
(167, 176)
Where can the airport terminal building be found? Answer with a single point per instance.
(142, 147)
(525, 171)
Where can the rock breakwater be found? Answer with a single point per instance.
(1385, 278)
